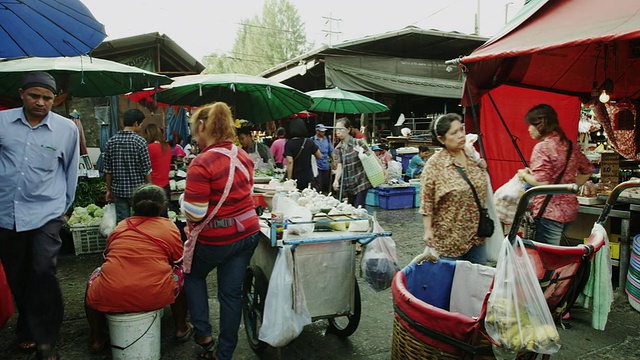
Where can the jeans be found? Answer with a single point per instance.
(123, 208)
(549, 231)
(231, 261)
(359, 199)
(477, 255)
(29, 259)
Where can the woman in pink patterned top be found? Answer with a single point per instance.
(450, 214)
(548, 160)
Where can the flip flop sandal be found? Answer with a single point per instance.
(27, 346)
(187, 335)
(47, 353)
(208, 355)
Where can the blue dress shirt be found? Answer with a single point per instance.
(326, 148)
(38, 169)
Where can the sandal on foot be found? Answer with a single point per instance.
(46, 352)
(190, 331)
(27, 346)
(208, 355)
(207, 347)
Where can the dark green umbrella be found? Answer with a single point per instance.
(80, 76)
(252, 98)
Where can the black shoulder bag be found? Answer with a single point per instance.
(485, 225)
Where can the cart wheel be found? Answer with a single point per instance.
(344, 326)
(254, 293)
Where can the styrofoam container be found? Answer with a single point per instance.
(135, 336)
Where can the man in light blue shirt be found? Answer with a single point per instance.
(323, 180)
(39, 153)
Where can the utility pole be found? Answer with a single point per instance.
(477, 24)
(329, 20)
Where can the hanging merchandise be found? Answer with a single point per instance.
(618, 121)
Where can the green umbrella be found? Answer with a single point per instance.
(253, 98)
(80, 76)
(343, 102)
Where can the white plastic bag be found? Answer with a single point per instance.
(506, 199)
(281, 324)
(394, 170)
(518, 317)
(109, 219)
(493, 243)
(379, 263)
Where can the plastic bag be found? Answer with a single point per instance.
(493, 243)
(506, 199)
(372, 167)
(394, 170)
(379, 263)
(281, 324)
(109, 219)
(518, 317)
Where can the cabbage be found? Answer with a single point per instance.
(79, 211)
(91, 208)
(99, 213)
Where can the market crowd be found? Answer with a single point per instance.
(147, 264)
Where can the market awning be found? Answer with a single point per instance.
(392, 75)
(562, 46)
(298, 70)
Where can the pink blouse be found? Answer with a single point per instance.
(547, 160)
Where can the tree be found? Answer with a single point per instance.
(263, 41)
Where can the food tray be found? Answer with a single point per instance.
(582, 200)
(262, 179)
(88, 239)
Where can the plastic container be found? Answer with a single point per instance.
(135, 335)
(416, 196)
(405, 161)
(372, 198)
(396, 198)
(88, 239)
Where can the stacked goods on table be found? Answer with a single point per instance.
(84, 224)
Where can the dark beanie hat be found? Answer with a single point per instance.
(39, 79)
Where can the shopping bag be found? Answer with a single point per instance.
(281, 323)
(372, 167)
(314, 166)
(109, 219)
(492, 243)
(518, 317)
(379, 263)
(506, 199)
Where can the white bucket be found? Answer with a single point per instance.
(135, 336)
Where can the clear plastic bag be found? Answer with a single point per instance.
(518, 317)
(394, 169)
(506, 199)
(109, 219)
(379, 263)
(281, 323)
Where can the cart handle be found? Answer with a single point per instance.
(523, 204)
(363, 239)
(613, 197)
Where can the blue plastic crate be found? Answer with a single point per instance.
(372, 198)
(416, 196)
(396, 198)
(405, 161)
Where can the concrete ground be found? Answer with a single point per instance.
(372, 339)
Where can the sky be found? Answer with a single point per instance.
(205, 26)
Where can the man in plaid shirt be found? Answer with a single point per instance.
(126, 163)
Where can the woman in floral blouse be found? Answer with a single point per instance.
(449, 212)
(548, 159)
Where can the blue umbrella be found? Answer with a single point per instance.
(47, 28)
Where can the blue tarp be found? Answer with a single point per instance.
(178, 122)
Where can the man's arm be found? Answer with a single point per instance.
(71, 167)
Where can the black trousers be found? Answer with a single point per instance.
(29, 259)
(323, 181)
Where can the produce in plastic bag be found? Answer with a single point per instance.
(281, 324)
(394, 170)
(379, 262)
(518, 317)
(506, 199)
(109, 219)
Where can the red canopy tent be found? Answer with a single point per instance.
(566, 49)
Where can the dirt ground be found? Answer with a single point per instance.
(372, 339)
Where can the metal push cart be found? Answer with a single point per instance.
(423, 331)
(326, 264)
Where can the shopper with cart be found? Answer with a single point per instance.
(449, 211)
(222, 227)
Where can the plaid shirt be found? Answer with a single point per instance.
(126, 158)
(353, 176)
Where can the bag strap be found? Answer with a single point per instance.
(547, 199)
(301, 148)
(473, 189)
